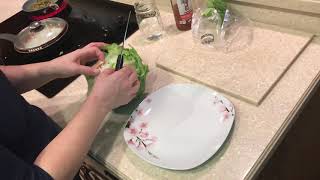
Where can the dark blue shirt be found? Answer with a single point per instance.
(25, 130)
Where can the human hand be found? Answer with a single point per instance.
(74, 63)
(113, 89)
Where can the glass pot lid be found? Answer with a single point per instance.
(40, 34)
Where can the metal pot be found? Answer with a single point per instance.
(38, 35)
(42, 9)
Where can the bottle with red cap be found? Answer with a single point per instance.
(182, 10)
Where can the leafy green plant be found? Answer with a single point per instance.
(219, 5)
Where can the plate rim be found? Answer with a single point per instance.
(210, 155)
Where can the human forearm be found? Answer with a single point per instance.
(68, 149)
(30, 76)
(111, 90)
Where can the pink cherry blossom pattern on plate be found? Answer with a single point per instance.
(143, 125)
(223, 108)
(225, 115)
(140, 138)
(139, 112)
(133, 131)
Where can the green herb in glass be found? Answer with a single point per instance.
(219, 5)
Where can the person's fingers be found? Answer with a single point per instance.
(89, 71)
(108, 71)
(125, 72)
(134, 89)
(90, 54)
(98, 64)
(96, 44)
(136, 83)
(133, 77)
(104, 74)
(131, 66)
(97, 53)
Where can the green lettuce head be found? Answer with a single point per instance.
(130, 57)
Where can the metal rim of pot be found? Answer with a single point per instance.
(45, 45)
(35, 27)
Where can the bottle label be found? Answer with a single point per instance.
(185, 10)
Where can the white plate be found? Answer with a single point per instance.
(180, 126)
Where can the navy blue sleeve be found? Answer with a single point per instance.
(11, 167)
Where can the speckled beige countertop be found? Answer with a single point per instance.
(249, 73)
(256, 131)
(8, 9)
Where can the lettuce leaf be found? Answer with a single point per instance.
(130, 57)
(219, 5)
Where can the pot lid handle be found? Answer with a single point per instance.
(35, 26)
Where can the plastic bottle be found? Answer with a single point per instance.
(182, 10)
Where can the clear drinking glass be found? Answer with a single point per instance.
(206, 30)
(149, 20)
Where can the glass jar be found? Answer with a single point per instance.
(206, 30)
(148, 18)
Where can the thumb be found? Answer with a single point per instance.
(108, 71)
(89, 71)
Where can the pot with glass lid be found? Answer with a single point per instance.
(38, 36)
